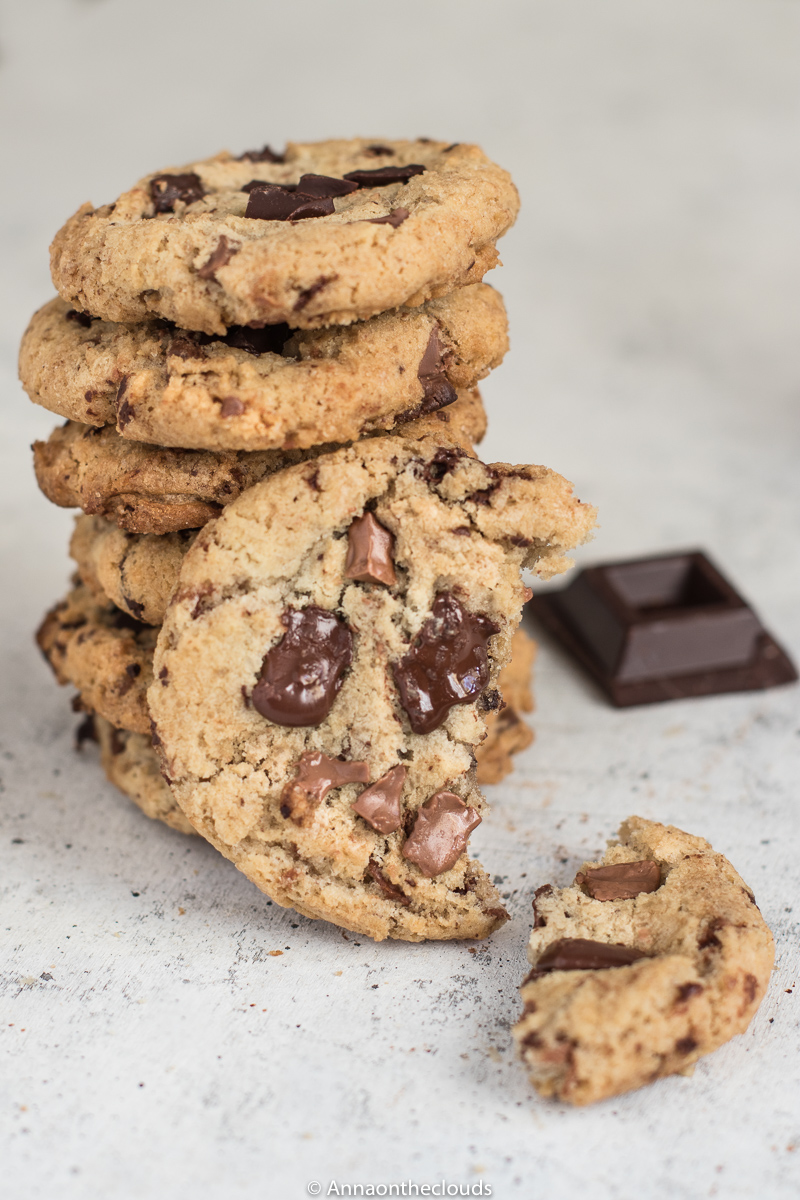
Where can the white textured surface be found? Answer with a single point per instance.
(652, 283)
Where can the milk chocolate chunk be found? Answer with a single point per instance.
(302, 674)
(440, 833)
(325, 185)
(369, 552)
(167, 190)
(379, 804)
(270, 202)
(582, 954)
(621, 881)
(380, 176)
(448, 663)
(663, 628)
(316, 775)
(389, 889)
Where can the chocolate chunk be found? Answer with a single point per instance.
(302, 674)
(442, 463)
(686, 1045)
(380, 176)
(125, 410)
(379, 151)
(316, 775)
(186, 346)
(390, 890)
(395, 218)
(269, 340)
(440, 833)
(167, 190)
(663, 628)
(270, 202)
(86, 731)
(325, 185)
(687, 990)
(539, 921)
(222, 253)
(80, 318)
(708, 938)
(581, 954)
(264, 155)
(379, 804)
(307, 294)
(369, 552)
(256, 183)
(447, 664)
(231, 406)
(437, 389)
(622, 881)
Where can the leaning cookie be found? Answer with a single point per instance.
(650, 960)
(104, 653)
(153, 489)
(261, 389)
(130, 764)
(324, 668)
(325, 234)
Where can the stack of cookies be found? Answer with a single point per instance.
(297, 586)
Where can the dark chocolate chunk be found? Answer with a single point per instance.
(395, 218)
(270, 202)
(380, 176)
(125, 410)
(369, 552)
(86, 731)
(389, 889)
(440, 833)
(167, 190)
(663, 628)
(686, 1045)
(80, 318)
(708, 938)
(581, 954)
(620, 881)
(687, 990)
(222, 253)
(307, 294)
(325, 185)
(302, 674)
(269, 340)
(379, 804)
(257, 183)
(316, 775)
(539, 921)
(379, 151)
(188, 345)
(263, 155)
(437, 389)
(442, 463)
(448, 663)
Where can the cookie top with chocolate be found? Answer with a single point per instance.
(649, 960)
(155, 489)
(335, 640)
(261, 389)
(324, 234)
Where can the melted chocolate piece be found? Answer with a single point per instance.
(80, 318)
(440, 833)
(263, 155)
(380, 176)
(325, 185)
(390, 890)
(437, 389)
(395, 218)
(269, 340)
(621, 881)
(663, 628)
(231, 406)
(302, 674)
(307, 294)
(379, 804)
(270, 202)
(447, 664)
(167, 190)
(222, 253)
(581, 954)
(369, 552)
(316, 775)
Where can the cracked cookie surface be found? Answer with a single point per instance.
(179, 244)
(283, 608)
(261, 390)
(695, 966)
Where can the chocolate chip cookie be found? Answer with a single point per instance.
(324, 669)
(649, 960)
(261, 389)
(130, 764)
(326, 233)
(104, 653)
(153, 489)
(506, 732)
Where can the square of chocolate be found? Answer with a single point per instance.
(663, 628)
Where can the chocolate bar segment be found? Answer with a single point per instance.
(663, 628)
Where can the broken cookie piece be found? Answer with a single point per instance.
(651, 959)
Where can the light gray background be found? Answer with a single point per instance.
(652, 286)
